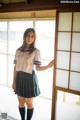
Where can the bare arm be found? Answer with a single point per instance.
(14, 78)
(41, 68)
(14, 73)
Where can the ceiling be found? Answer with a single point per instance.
(30, 5)
(4, 2)
(12, 1)
(25, 5)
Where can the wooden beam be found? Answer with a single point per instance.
(37, 5)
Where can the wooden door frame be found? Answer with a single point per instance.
(55, 89)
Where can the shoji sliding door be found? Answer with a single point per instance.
(67, 55)
(68, 51)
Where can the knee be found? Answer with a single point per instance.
(29, 104)
(21, 103)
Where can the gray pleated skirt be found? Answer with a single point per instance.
(27, 85)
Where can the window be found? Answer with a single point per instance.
(11, 36)
(45, 42)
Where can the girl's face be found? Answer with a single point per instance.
(30, 38)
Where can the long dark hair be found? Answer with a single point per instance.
(32, 46)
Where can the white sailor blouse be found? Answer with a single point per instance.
(25, 61)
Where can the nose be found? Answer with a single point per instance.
(30, 38)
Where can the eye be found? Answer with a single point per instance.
(32, 36)
(28, 36)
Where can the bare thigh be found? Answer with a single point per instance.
(29, 102)
(21, 101)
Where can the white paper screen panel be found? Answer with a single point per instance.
(76, 42)
(64, 41)
(75, 62)
(62, 78)
(76, 21)
(75, 81)
(68, 51)
(63, 60)
(65, 21)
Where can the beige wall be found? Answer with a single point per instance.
(29, 14)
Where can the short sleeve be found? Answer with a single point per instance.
(37, 59)
(15, 60)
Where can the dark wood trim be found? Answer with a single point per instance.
(70, 51)
(38, 5)
(56, 88)
(67, 70)
(67, 90)
(73, 8)
(54, 92)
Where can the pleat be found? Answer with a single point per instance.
(27, 85)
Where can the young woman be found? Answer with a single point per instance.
(25, 83)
